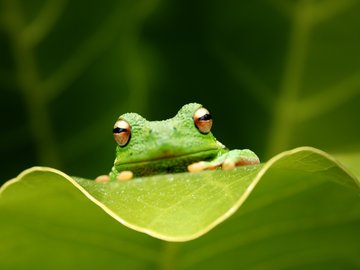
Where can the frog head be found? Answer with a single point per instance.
(152, 147)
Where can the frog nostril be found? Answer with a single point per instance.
(174, 128)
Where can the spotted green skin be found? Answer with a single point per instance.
(169, 146)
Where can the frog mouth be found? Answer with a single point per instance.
(167, 162)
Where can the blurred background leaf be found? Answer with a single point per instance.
(275, 74)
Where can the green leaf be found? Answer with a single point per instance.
(296, 202)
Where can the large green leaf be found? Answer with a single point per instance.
(303, 211)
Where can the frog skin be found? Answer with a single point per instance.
(179, 144)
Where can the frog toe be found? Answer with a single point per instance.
(228, 165)
(102, 178)
(124, 176)
(201, 166)
(198, 166)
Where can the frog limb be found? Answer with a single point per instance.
(236, 158)
(227, 161)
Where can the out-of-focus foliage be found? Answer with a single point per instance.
(275, 74)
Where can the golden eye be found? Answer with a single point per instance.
(202, 120)
(122, 132)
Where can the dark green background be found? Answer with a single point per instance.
(275, 74)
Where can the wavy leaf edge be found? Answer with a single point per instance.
(266, 166)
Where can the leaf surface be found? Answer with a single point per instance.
(296, 204)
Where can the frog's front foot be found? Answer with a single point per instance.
(236, 158)
(122, 176)
(227, 161)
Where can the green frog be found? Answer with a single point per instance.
(179, 144)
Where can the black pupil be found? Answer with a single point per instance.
(119, 130)
(205, 117)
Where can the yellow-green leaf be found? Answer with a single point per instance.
(299, 192)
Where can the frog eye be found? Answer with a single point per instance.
(203, 120)
(122, 132)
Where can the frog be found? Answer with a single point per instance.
(183, 143)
